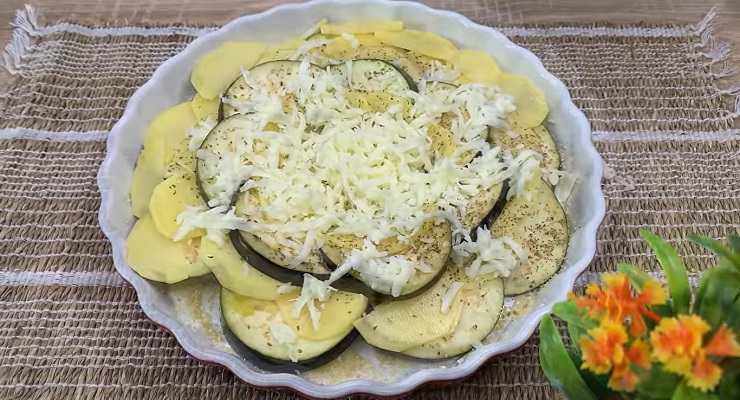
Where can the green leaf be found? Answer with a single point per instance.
(569, 312)
(717, 298)
(637, 276)
(686, 392)
(658, 383)
(729, 386)
(716, 247)
(701, 292)
(575, 332)
(734, 243)
(674, 270)
(599, 385)
(557, 365)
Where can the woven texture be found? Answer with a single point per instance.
(658, 99)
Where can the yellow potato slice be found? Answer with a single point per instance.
(426, 43)
(166, 133)
(338, 313)
(367, 39)
(215, 71)
(476, 66)
(336, 47)
(143, 182)
(281, 51)
(235, 274)
(171, 197)
(181, 159)
(531, 107)
(273, 54)
(361, 27)
(204, 108)
(250, 320)
(158, 258)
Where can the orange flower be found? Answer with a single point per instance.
(603, 349)
(723, 344)
(616, 301)
(624, 378)
(704, 375)
(677, 343)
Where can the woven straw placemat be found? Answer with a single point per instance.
(70, 327)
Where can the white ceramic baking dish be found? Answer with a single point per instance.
(190, 309)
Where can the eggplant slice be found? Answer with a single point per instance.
(537, 139)
(246, 326)
(277, 71)
(482, 302)
(536, 220)
(379, 75)
(430, 245)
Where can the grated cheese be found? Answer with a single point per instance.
(352, 39)
(332, 168)
(199, 132)
(449, 296)
(313, 290)
(216, 221)
(497, 256)
(284, 336)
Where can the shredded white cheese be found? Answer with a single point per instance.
(199, 132)
(284, 336)
(286, 288)
(352, 39)
(440, 72)
(216, 221)
(523, 168)
(313, 290)
(316, 28)
(497, 256)
(331, 168)
(450, 295)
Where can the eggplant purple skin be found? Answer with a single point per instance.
(276, 365)
(295, 278)
(496, 210)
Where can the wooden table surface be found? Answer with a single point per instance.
(515, 11)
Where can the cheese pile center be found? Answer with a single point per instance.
(309, 163)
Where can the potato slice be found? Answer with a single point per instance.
(158, 258)
(272, 54)
(171, 197)
(215, 71)
(426, 43)
(281, 51)
(361, 27)
(143, 182)
(476, 66)
(338, 313)
(250, 321)
(368, 39)
(531, 107)
(204, 108)
(404, 324)
(165, 135)
(235, 274)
